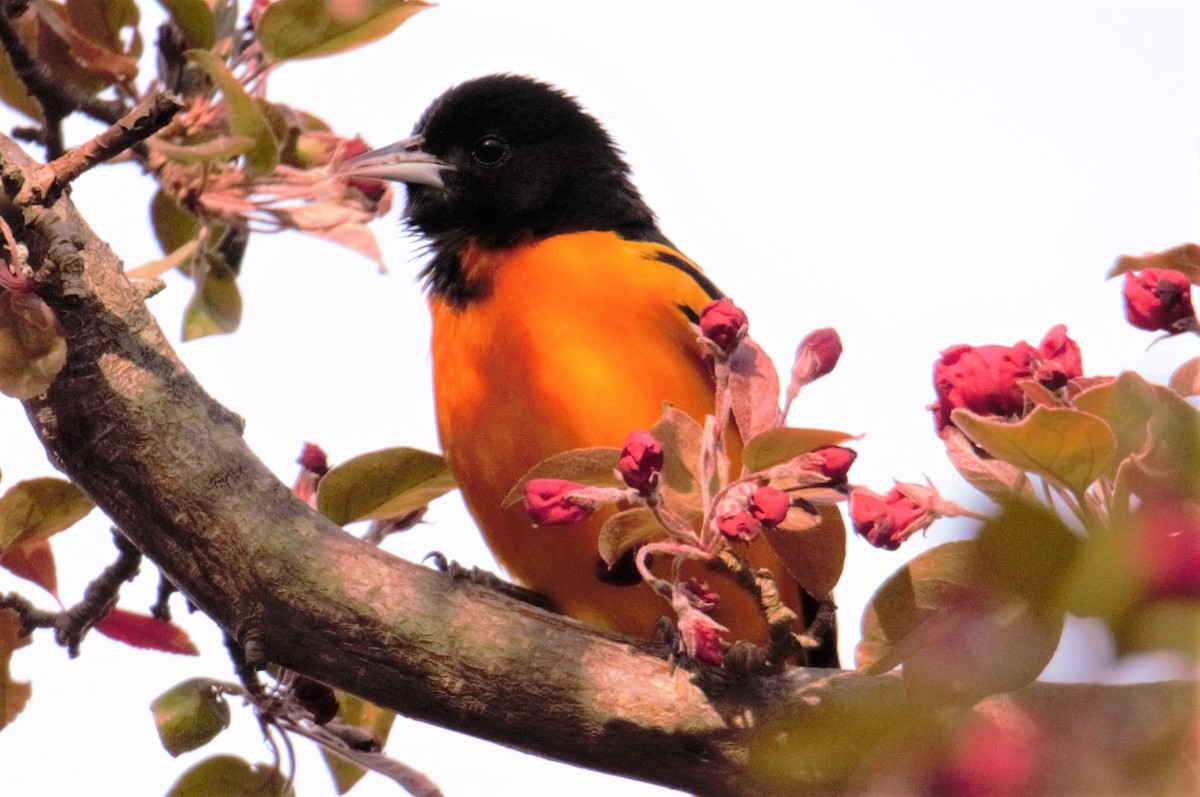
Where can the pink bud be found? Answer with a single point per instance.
(641, 460)
(982, 379)
(550, 502)
(1159, 299)
(816, 356)
(885, 521)
(313, 458)
(836, 462)
(769, 506)
(1166, 538)
(313, 465)
(739, 525)
(1059, 358)
(724, 323)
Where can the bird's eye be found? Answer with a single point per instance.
(490, 150)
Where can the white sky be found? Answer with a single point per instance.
(914, 174)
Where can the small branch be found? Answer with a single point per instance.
(31, 617)
(782, 644)
(47, 182)
(99, 597)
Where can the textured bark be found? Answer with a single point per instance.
(128, 423)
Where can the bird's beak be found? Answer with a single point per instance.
(402, 162)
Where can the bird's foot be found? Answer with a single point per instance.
(489, 580)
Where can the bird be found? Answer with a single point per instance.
(562, 318)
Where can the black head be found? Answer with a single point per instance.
(524, 162)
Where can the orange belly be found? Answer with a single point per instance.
(577, 341)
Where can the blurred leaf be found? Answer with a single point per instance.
(777, 446)
(312, 28)
(753, 389)
(995, 478)
(217, 150)
(375, 721)
(13, 694)
(35, 509)
(156, 268)
(33, 561)
(958, 640)
(594, 466)
(216, 305)
(77, 47)
(195, 19)
(1027, 552)
(13, 91)
(625, 531)
(174, 225)
(106, 22)
(813, 556)
(1186, 379)
(33, 345)
(1102, 582)
(338, 224)
(230, 776)
(146, 632)
(245, 117)
(1162, 625)
(190, 714)
(1184, 258)
(1068, 446)
(382, 484)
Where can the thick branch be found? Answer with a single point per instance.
(128, 423)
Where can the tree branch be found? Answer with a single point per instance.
(128, 423)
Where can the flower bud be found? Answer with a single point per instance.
(1159, 299)
(982, 379)
(816, 356)
(699, 633)
(1166, 538)
(551, 502)
(836, 462)
(739, 525)
(1059, 359)
(769, 506)
(700, 595)
(885, 521)
(313, 465)
(641, 460)
(725, 324)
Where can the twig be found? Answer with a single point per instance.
(47, 182)
(73, 624)
(782, 644)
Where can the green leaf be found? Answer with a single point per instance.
(245, 117)
(1126, 404)
(626, 530)
(382, 484)
(1070, 447)
(594, 466)
(814, 556)
(195, 19)
(959, 640)
(681, 437)
(174, 226)
(36, 509)
(776, 446)
(375, 721)
(217, 150)
(312, 28)
(33, 345)
(230, 776)
(216, 305)
(1162, 625)
(190, 714)
(1102, 582)
(1027, 552)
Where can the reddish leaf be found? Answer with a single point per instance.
(1184, 258)
(33, 561)
(754, 387)
(13, 694)
(815, 555)
(144, 631)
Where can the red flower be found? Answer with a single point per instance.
(1159, 299)
(1059, 359)
(982, 379)
(836, 462)
(553, 502)
(641, 460)
(816, 356)
(724, 323)
(739, 525)
(885, 521)
(1166, 537)
(769, 506)
(313, 465)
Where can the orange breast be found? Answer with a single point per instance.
(578, 341)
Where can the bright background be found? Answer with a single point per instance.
(914, 174)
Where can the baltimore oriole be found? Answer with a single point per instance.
(561, 319)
